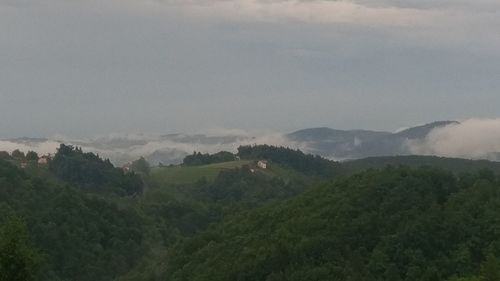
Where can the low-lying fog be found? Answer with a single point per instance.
(471, 138)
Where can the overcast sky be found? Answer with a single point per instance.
(87, 67)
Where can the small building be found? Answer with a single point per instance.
(44, 160)
(126, 167)
(262, 164)
(24, 165)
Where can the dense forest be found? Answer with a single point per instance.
(198, 158)
(311, 165)
(77, 217)
(77, 236)
(87, 170)
(393, 224)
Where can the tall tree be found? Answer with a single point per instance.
(140, 166)
(31, 156)
(17, 257)
(18, 155)
(490, 270)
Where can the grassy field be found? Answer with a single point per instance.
(191, 174)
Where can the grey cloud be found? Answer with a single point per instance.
(83, 68)
(472, 138)
(168, 149)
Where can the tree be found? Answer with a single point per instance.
(197, 158)
(5, 155)
(17, 257)
(88, 171)
(31, 156)
(18, 155)
(140, 166)
(490, 270)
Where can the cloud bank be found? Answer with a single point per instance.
(167, 149)
(472, 138)
(315, 11)
(40, 147)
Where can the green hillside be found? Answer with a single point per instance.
(394, 224)
(303, 218)
(455, 165)
(73, 235)
(186, 175)
(190, 174)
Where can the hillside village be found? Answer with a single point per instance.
(23, 160)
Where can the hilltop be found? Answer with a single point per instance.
(173, 148)
(356, 144)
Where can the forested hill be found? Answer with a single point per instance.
(307, 164)
(311, 165)
(394, 224)
(89, 171)
(70, 234)
(77, 217)
(455, 165)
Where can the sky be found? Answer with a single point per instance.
(94, 67)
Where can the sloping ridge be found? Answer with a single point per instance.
(355, 144)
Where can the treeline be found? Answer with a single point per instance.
(307, 164)
(310, 165)
(394, 224)
(89, 171)
(197, 158)
(18, 155)
(455, 165)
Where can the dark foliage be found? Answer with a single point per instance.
(4, 155)
(80, 236)
(391, 224)
(197, 158)
(90, 172)
(454, 165)
(18, 260)
(241, 186)
(31, 156)
(311, 165)
(395, 224)
(140, 166)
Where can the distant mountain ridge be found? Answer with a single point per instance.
(423, 130)
(326, 142)
(354, 144)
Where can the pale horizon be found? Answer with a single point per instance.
(85, 68)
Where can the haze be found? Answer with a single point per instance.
(93, 67)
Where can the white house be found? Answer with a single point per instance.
(44, 160)
(262, 164)
(126, 167)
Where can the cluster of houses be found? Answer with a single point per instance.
(42, 161)
(262, 164)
